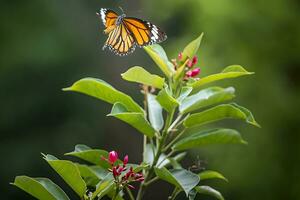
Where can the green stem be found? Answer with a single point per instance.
(151, 181)
(173, 141)
(161, 142)
(174, 194)
(129, 193)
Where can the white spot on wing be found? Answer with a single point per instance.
(103, 13)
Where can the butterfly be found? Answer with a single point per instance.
(125, 33)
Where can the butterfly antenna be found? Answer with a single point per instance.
(121, 9)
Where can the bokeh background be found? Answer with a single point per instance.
(47, 45)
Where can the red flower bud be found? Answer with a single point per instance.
(130, 186)
(180, 56)
(190, 63)
(113, 157)
(195, 72)
(140, 179)
(125, 161)
(195, 60)
(115, 173)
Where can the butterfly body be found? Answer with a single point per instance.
(125, 33)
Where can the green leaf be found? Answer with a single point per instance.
(140, 75)
(104, 187)
(90, 155)
(136, 120)
(232, 71)
(181, 178)
(206, 97)
(155, 112)
(208, 174)
(220, 112)
(209, 191)
(185, 91)
(159, 56)
(204, 138)
(101, 90)
(69, 172)
(191, 49)
(92, 174)
(166, 100)
(40, 188)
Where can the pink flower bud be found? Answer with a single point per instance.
(188, 74)
(113, 157)
(131, 186)
(125, 161)
(180, 56)
(140, 179)
(195, 72)
(115, 173)
(195, 60)
(190, 63)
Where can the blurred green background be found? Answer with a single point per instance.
(47, 45)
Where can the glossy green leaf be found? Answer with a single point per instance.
(104, 187)
(208, 174)
(206, 97)
(40, 188)
(101, 90)
(204, 138)
(185, 91)
(69, 172)
(92, 174)
(140, 75)
(166, 100)
(155, 112)
(220, 112)
(159, 56)
(209, 191)
(181, 178)
(90, 155)
(136, 120)
(191, 49)
(232, 71)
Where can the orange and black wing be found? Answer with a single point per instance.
(108, 17)
(144, 33)
(120, 41)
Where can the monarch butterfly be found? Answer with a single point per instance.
(125, 33)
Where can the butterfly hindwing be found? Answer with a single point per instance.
(120, 41)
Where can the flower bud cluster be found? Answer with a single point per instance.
(190, 71)
(122, 175)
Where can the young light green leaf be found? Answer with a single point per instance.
(40, 188)
(181, 178)
(220, 112)
(166, 100)
(140, 75)
(185, 91)
(104, 187)
(159, 56)
(232, 71)
(191, 49)
(69, 172)
(136, 120)
(208, 174)
(209, 191)
(101, 90)
(206, 97)
(155, 112)
(90, 155)
(204, 138)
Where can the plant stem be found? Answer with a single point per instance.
(174, 194)
(173, 141)
(151, 181)
(129, 193)
(160, 145)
